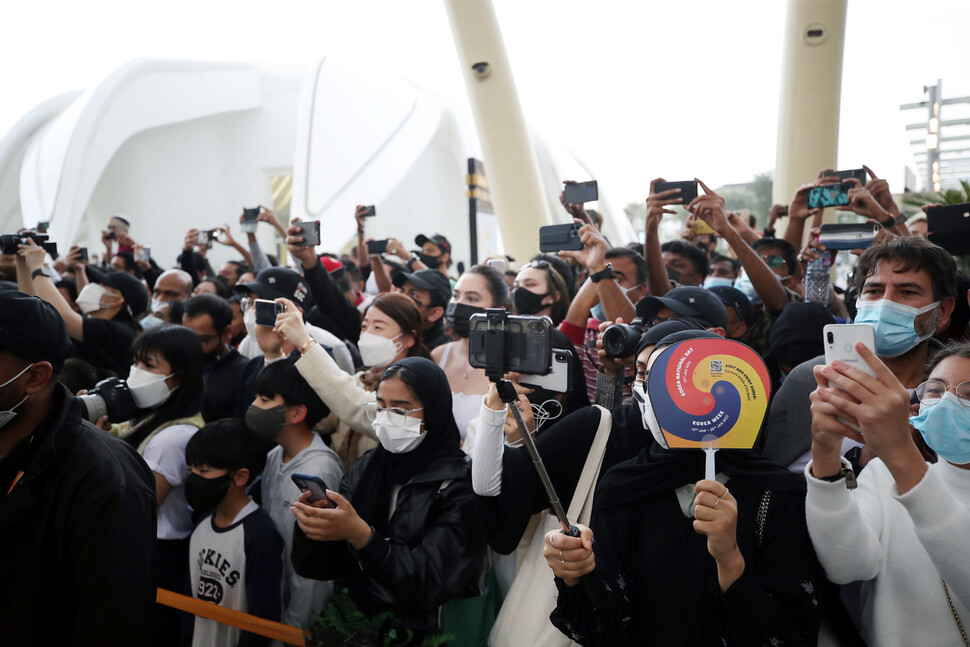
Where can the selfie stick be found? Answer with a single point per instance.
(495, 370)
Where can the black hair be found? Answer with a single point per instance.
(77, 374)
(180, 347)
(498, 287)
(638, 248)
(176, 310)
(209, 304)
(913, 253)
(273, 260)
(70, 285)
(561, 266)
(236, 298)
(222, 288)
(720, 258)
(405, 374)
(961, 350)
(960, 316)
(283, 378)
(693, 253)
(130, 265)
(638, 260)
(353, 271)
(226, 445)
(241, 267)
(787, 251)
(198, 261)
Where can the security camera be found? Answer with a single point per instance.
(482, 70)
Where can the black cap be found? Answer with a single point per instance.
(32, 329)
(436, 283)
(734, 298)
(132, 289)
(662, 329)
(440, 241)
(688, 301)
(275, 282)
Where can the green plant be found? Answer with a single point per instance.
(949, 196)
(342, 619)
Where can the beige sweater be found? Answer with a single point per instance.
(346, 396)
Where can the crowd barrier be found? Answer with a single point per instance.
(268, 628)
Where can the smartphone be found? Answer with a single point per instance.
(314, 485)
(688, 190)
(829, 195)
(311, 233)
(840, 341)
(370, 212)
(266, 312)
(559, 379)
(206, 236)
(497, 263)
(700, 227)
(553, 238)
(83, 253)
(949, 227)
(850, 236)
(857, 173)
(143, 254)
(43, 226)
(527, 343)
(581, 192)
(249, 221)
(376, 246)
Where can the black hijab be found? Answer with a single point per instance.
(442, 442)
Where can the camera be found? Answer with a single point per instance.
(266, 312)
(111, 398)
(9, 243)
(620, 340)
(482, 70)
(499, 343)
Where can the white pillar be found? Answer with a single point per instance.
(811, 88)
(509, 157)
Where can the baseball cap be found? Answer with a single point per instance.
(332, 265)
(688, 301)
(275, 282)
(32, 329)
(132, 289)
(734, 298)
(436, 283)
(440, 241)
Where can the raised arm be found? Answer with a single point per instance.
(33, 256)
(657, 204)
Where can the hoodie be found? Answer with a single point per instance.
(302, 597)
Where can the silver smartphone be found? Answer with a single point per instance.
(840, 341)
(559, 379)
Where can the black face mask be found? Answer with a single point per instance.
(205, 494)
(432, 262)
(527, 302)
(266, 423)
(458, 315)
(673, 275)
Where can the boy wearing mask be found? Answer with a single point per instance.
(235, 552)
(285, 411)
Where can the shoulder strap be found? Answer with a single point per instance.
(581, 504)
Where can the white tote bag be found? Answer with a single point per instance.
(524, 617)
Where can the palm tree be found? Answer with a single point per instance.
(949, 196)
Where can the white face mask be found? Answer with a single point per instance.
(149, 322)
(156, 304)
(89, 298)
(147, 389)
(249, 321)
(647, 415)
(11, 413)
(376, 350)
(398, 439)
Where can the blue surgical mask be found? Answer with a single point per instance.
(714, 281)
(743, 283)
(894, 324)
(946, 428)
(149, 322)
(597, 312)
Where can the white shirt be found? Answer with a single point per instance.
(165, 455)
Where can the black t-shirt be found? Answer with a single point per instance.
(107, 345)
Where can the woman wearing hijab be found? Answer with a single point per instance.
(401, 537)
(688, 561)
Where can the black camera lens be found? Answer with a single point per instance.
(620, 340)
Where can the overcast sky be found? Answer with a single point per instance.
(635, 89)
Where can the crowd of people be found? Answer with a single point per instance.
(269, 435)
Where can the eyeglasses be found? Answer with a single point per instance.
(931, 391)
(395, 416)
(774, 262)
(539, 265)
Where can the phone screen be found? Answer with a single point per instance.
(377, 246)
(581, 192)
(688, 190)
(829, 195)
(266, 312)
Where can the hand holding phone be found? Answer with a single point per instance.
(311, 233)
(315, 486)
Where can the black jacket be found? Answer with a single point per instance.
(331, 309)
(434, 552)
(229, 386)
(77, 537)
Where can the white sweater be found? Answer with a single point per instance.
(900, 545)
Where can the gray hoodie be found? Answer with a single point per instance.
(302, 598)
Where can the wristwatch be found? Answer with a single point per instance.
(41, 272)
(606, 273)
(844, 473)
